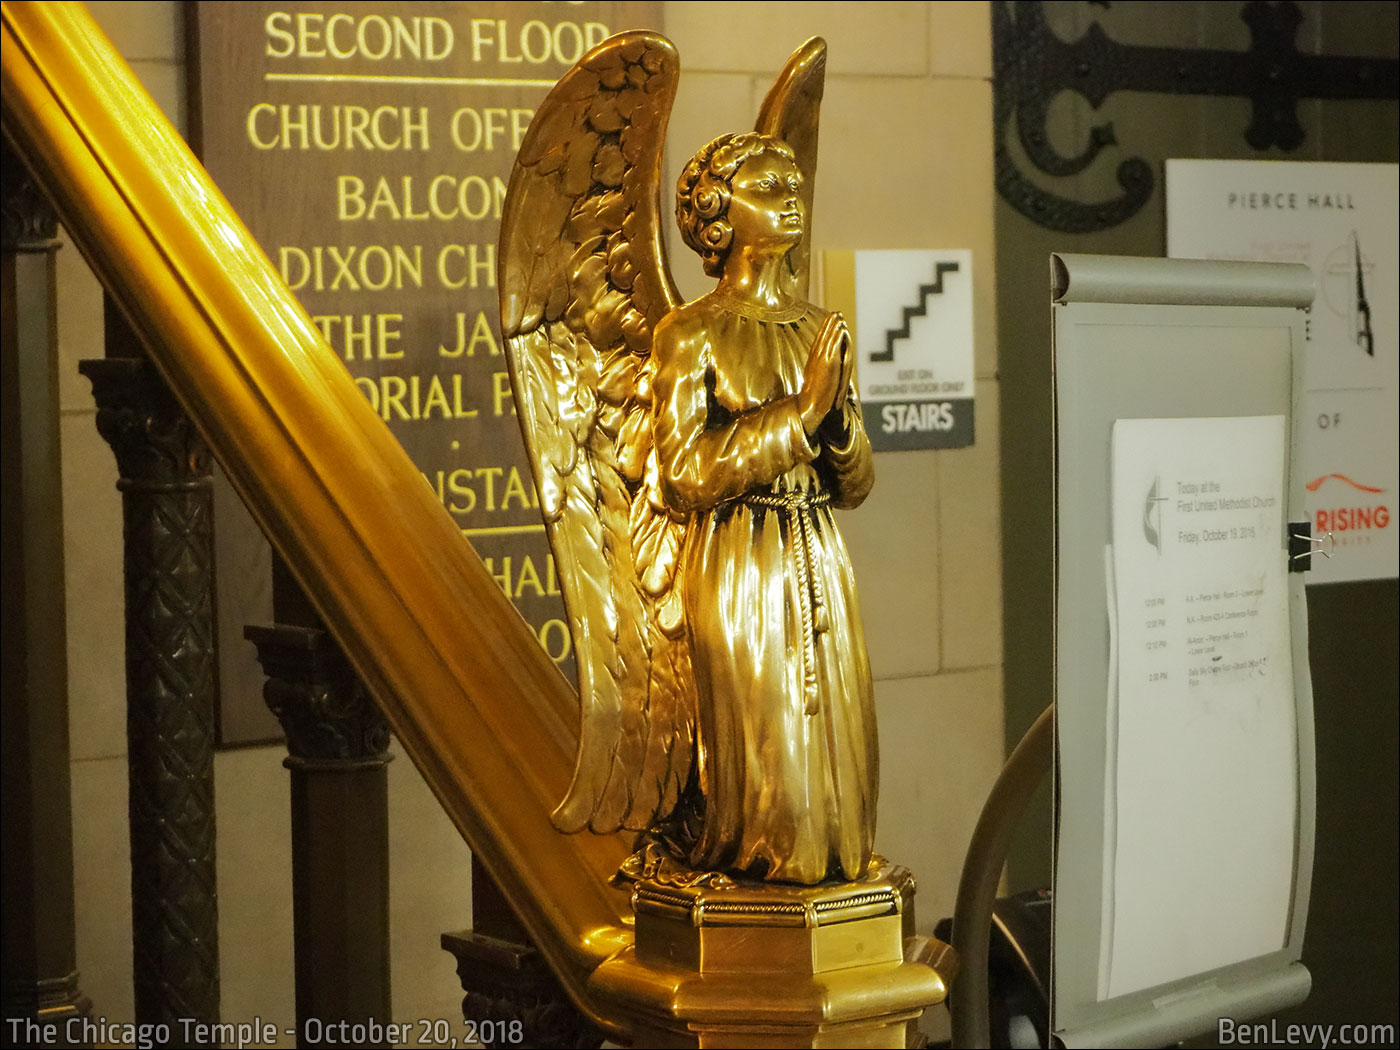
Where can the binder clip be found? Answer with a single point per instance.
(1302, 545)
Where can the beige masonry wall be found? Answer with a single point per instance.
(906, 162)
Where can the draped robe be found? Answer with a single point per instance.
(787, 757)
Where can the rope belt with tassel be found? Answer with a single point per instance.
(815, 617)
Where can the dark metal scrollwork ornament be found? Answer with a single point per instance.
(1032, 65)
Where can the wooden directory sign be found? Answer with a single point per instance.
(368, 146)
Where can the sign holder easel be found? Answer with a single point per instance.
(1185, 760)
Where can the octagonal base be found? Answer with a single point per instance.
(769, 965)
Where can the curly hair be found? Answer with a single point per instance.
(703, 190)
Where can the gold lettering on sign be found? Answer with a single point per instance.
(467, 265)
(556, 640)
(464, 490)
(475, 129)
(447, 197)
(482, 337)
(354, 268)
(533, 42)
(501, 397)
(366, 337)
(340, 36)
(316, 127)
(411, 399)
(519, 576)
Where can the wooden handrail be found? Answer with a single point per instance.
(477, 705)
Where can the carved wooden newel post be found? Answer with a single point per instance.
(167, 505)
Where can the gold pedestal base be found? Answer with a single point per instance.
(745, 965)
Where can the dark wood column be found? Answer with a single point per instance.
(337, 744)
(40, 972)
(167, 509)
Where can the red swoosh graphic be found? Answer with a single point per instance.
(1316, 483)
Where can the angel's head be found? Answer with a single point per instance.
(758, 168)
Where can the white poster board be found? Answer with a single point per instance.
(1343, 222)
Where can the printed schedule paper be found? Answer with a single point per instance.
(1205, 710)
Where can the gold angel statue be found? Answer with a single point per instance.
(688, 458)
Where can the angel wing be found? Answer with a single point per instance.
(583, 282)
(790, 112)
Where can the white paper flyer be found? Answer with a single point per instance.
(1204, 796)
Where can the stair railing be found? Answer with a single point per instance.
(477, 705)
